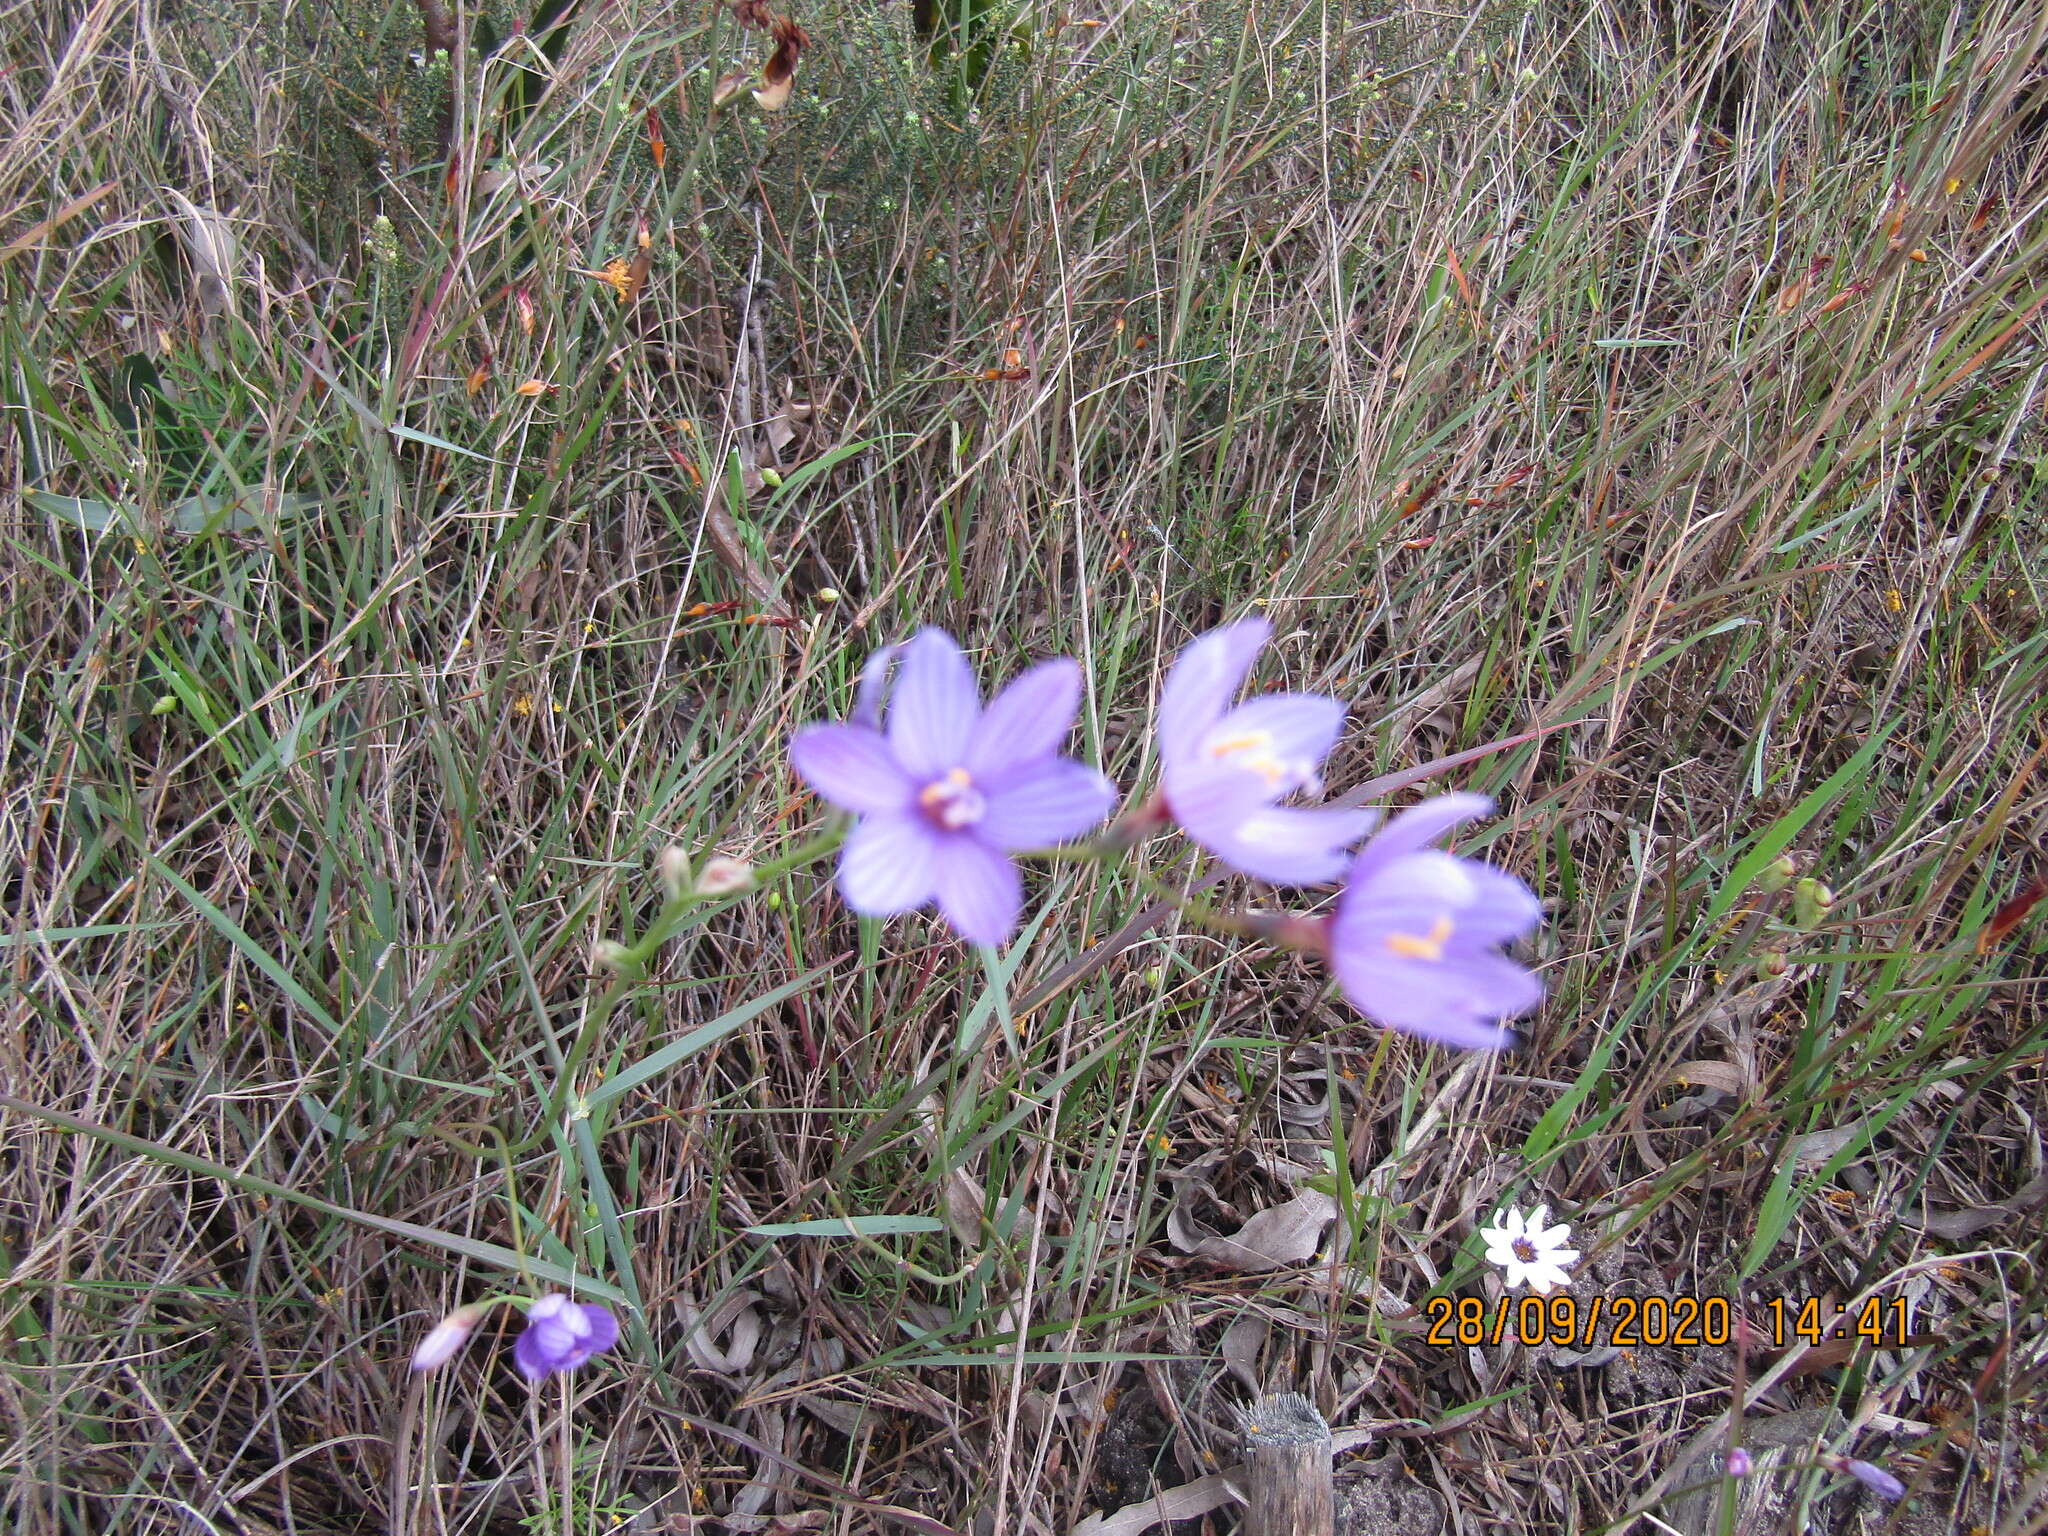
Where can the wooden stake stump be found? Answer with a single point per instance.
(1288, 1484)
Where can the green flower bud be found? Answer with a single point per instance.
(1777, 874)
(382, 243)
(1811, 902)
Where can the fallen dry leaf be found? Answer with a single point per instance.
(1283, 1234)
(724, 1339)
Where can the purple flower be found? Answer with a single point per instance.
(561, 1334)
(1414, 940)
(1225, 768)
(946, 790)
(1739, 1463)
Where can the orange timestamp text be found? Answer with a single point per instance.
(1680, 1321)
(1632, 1321)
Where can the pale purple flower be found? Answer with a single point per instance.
(1225, 769)
(561, 1334)
(1739, 1463)
(946, 790)
(1416, 934)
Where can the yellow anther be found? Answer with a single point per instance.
(1250, 741)
(1253, 752)
(939, 791)
(1430, 947)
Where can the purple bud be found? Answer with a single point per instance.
(1876, 1479)
(447, 1338)
(1739, 1464)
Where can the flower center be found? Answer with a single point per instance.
(952, 801)
(1253, 752)
(1523, 1249)
(1429, 946)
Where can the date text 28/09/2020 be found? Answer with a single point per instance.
(1680, 1321)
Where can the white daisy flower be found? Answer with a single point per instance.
(1529, 1253)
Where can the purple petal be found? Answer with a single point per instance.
(1208, 800)
(979, 890)
(1044, 802)
(1302, 727)
(1481, 905)
(936, 703)
(1286, 845)
(886, 865)
(1416, 828)
(1203, 681)
(1457, 1001)
(1029, 719)
(1502, 908)
(851, 766)
(604, 1329)
(1468, 993)
(530, 1356)
(547, 1339)
(1415, 890)
(874, 683)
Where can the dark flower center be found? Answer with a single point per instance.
(1523, 1249)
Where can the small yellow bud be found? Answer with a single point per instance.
(826, 596)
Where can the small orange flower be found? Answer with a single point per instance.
(618, 272)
